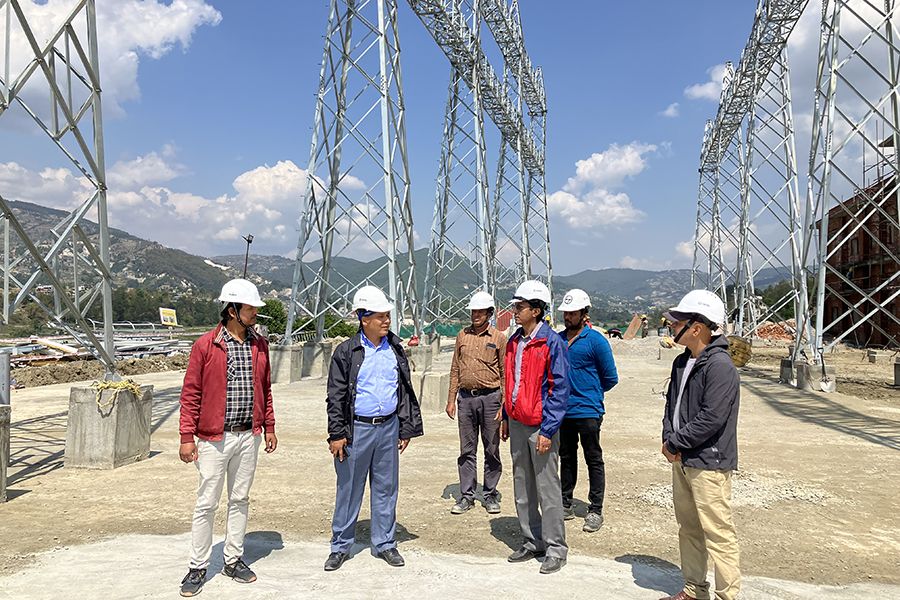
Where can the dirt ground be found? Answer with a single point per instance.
(88, 370)
(815, 499)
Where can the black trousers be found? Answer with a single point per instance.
(588, 430)
(477, 413)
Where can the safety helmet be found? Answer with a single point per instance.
(371, 298)
(575, 300)
(241, 291)
(480, 300)
(532, 290)
(698, 302)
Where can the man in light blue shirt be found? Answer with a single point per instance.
(372, 414)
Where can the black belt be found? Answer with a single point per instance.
(374, 420)
(482, 392)
(238, 428)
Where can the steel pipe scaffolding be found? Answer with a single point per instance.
(853, 216)
(57, 84)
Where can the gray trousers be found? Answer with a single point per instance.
(538, 491)
(477, 413)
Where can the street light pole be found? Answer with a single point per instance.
(249, 239)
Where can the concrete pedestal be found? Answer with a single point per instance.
(669, 354)
(433, 340)
(810, 377)
(316, 359)
(4, 449)
(786, 372)
(897, 372)
(420, 357)
(879, 356)
(286, 362)
(432, 390)
(110, 436)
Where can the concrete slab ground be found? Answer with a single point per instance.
(815, 505)
(145, 566)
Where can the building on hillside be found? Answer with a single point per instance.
(863, 246)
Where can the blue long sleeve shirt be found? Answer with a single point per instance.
(592, 371)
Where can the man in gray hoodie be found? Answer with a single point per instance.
(700, 440)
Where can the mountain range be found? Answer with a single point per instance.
(136, 262)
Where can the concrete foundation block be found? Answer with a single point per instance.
(432, 390)
(420, 357)
(897, 372)
(811, 378)
(880, 356)
(286, 363)
(4, 449)
(669, 354)
(108, 436)
(786, 372)
(433, 340)
(316, 359)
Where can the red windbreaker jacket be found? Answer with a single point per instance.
(203, 391)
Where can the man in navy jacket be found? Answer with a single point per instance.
(592, 372)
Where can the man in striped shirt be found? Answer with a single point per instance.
(476, 383)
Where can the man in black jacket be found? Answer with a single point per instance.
(372, 414)
(700, 440)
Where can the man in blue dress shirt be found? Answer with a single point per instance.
(592, 373)
(372, 414)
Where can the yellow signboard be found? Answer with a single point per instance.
(167, 317)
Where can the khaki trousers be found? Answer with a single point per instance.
(706, 530)
(233, 461)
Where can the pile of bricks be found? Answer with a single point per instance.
(777, 331)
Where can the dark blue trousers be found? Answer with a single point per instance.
(374, 455)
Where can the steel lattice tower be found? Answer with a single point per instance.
(358, 193)
(853, 216)
(57, 83)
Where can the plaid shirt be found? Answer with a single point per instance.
(478, 361)
(239, 392)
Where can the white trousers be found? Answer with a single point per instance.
(232, 459)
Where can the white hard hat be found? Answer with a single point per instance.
(480, 300)
(371, 298)
(242, 292)
(575, 300)
(532, 290)
(698, 302)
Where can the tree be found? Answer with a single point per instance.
(274, 309)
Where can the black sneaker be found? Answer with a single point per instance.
(568, 512)
(462, 506)
(239, 572)
(335, 560)
(193, 582)
(491, 505)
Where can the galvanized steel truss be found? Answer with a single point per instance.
(57, 83)
(748, 187)
(358, 194)
(854, 221)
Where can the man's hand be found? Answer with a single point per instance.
(337, 448)
(504, 430)
(402, 445)
(669, 456)
(543, 444)
(271, 442)
(188, 452)
(451, 409)
(499, 415)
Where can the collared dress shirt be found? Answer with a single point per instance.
(239, 389)
(520, 346)
(376, 385)
(478, 360)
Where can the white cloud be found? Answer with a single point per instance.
(128, 29)
(671, 111)
(712, 89)
(585, 201)
(609, 168)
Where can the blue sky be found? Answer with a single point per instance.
(209, 108)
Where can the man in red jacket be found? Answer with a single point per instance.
(226, 402)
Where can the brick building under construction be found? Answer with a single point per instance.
(864, 256)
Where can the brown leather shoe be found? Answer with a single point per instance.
(679, 596)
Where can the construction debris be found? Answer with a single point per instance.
(783, 332)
